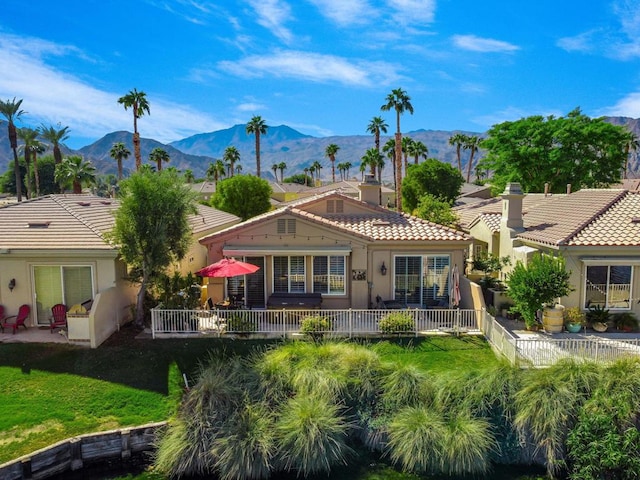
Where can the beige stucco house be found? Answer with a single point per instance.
(53, 250)
(349, 250)
(596, 230)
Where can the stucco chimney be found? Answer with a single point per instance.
(370, 190)
(568, 188)
(511, 222)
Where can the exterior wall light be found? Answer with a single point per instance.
(383, 269)
(12, 284)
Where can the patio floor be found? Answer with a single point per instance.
(518, 329)
(41, 334)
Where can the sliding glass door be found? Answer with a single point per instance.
(68, 284)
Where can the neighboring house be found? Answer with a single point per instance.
(54, 250)
(285, 192)
(204, 190)
(351, 189)
(348, 250)
(596, 230)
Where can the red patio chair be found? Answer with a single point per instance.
(58, 318)
(15, 321)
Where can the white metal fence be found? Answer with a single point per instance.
(541, 351)
(349, 323)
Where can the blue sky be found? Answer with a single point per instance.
(323, 67)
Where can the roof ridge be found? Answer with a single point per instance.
(81, 219)
(594, 217)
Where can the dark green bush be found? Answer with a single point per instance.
(400, 322)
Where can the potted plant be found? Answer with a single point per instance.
(574, 319)
(598, 317)
(625, 321)
(537, 285)
(490, 265)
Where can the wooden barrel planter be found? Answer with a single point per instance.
(553, 319)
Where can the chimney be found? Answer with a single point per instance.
(511, 222)
(370, 190)
(568, 188)
(546, 189)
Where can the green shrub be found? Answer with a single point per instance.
(240, 323)
(598, 314)
(625, 321)
(397, 323)
(315, 324)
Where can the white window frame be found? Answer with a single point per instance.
(424, 260)
(608, 264)
(289, 274)
(329, 275)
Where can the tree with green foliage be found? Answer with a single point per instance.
(418, 150)
(216, 171)
(399, 101)
(119, 152)
(152, 226)
(231, 156)
(376, 126)
(576, 150)
(433, 177)
(435, 210)
(331, 152)
(55, 136)
(31, 146)
(257, 126)
(458, 140)
(159, 155)
(282, 166)
(10, 109)
(139, 104)
(243, 195)
(473, 145)
(299, 178)
(76, 172)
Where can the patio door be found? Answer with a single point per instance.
(60, 284)
(251, 287)
(421, 280)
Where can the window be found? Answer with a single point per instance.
(329, 275)
(608, 286)
(421, 279)
(288, 274)
(60, 284)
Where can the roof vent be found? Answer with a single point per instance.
(635, 220)
(39, 224)
(105, 202)
(381, 223)
(84, 204)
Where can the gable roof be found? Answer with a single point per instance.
(345, 187)
(596, 217)
(76, 222)
(372, 223)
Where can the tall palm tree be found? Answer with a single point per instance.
(28, 136)
(216, 171)
(257, 126)
(238, 168)
(376, 126)
(139, 104)
(406, 147)
(341, 169)
(10, 110)
(316, 167)
(631, 143)
(274, 169)
(119, 152)
(418, 149)
(282, 167)
(330, 152)
(347, 167)
(75, 171)
(472, 144)
(399, 101)
(231, 156)
(37, 148)
(55, 136)
(458, 140)
(188, 176)
(159, 155)
(389, 149)
(372, 158)
(306, 175)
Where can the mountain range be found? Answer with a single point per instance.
(280, 144)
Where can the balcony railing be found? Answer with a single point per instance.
(345, 323)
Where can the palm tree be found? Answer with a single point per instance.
(75, 171)
(389, 150)
(306, 175)
(274, 169)
(238, 168)
(316, 167)
(418, 149)
(406, 147)
(36, 148)
(29, 136)
(139, 104)
(216, 170)
(119, 152)
(10, 110)
(159, 155)
(472, 144)
(341, 169)
(376, 126)
(372, 158)
(347, 167)
(258, 127)
(631, 143)
(188, 176)
(399, 101)
(230, 156)
(56, 137)
(458, 140)
(330, 152)
(282, 167)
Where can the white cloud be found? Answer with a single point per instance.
(345, 12)
(511, 114)
(578, 43)
(52, 96)
(273, 14)
(479, 44)
(413, 11)
(313, 67)
(628, 106)
(250, 107)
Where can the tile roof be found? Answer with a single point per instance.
(595, 217)
(72, 222)
(376, 224)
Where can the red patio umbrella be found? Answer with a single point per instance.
(228, 267)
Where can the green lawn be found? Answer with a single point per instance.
(49, 392)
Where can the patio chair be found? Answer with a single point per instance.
(58, 318)
(15, 321)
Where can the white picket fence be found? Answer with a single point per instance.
(342, 323)
(541, 351)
